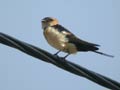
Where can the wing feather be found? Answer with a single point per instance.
(81, 44)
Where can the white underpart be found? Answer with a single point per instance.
(59, 41)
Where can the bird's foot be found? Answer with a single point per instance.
(56, 54)
(64, 58)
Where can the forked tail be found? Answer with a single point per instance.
(104, 54)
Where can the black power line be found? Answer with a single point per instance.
(59, 62)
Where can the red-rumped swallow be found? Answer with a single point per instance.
(63, 40)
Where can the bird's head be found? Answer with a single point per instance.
(49, 21)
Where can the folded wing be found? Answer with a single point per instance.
(81, 44)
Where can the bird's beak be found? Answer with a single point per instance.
(43, 21)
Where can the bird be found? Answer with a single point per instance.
(63, 40)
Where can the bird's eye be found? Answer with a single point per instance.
(47, 20)
(43, 21)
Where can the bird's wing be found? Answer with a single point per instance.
(61, 28)
(81, 44)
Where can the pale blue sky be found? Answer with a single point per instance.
(97, 21)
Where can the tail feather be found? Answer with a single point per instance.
(104, 54)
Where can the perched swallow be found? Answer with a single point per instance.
(63, 40)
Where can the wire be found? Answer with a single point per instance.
(58, 61)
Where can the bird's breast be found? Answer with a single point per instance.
(58, 40)
(55, 38)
